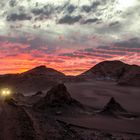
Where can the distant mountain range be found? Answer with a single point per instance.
(123, 74)
(41, 78)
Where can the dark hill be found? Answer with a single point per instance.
(106, 70)
(33, 80)
(43, 70)
(118, 71)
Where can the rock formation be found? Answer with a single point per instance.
(112, 108)
(58, 96)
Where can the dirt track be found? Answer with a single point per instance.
(15, 124)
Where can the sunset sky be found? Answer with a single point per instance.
(68, 35)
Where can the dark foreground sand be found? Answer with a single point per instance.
(97, 94)
(24, 123)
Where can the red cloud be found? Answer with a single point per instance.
(18, 57)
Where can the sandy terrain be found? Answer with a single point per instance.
(22, 122)
(97, 94)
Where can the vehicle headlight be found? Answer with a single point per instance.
(5, 92)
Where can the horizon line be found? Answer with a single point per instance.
(62, 71)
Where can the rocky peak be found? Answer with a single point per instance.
(43, 70)
(40, 68)
(58, 95)
(107, 70)
(113, 106)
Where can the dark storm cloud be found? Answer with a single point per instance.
(69, 19)
(41, 12)
(67, 9)
(49, 10)
(110, 28)
(37, 11)
(114, 23)
(12, 3)
(132, 43)
(88, 21)
(71, 8)
(86, 8)
(46, 10)
(131, 46)
(20, 17)
(122, 48)
(89, 8)
(95, 4)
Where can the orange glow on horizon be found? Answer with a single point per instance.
(66, 69)
(16, 58)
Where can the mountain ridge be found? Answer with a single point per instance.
(42, 69)
(122, 73)
(38, 78)
(41, 78)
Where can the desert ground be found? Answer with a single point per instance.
(20, 121)
(97, 94)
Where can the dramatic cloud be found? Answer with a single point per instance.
(69, 19)
(90, 20)
(69, 35)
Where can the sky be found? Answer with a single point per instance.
(68, 35)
